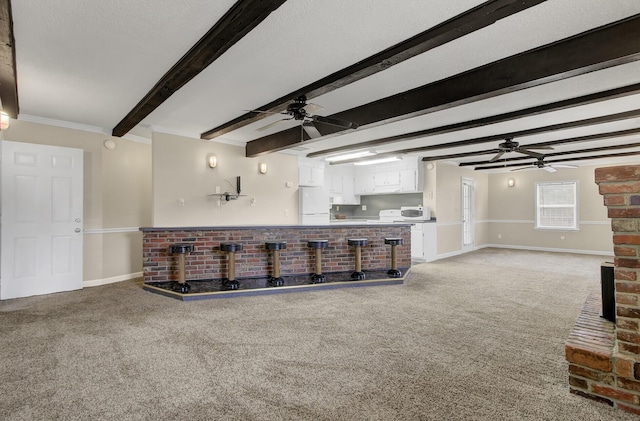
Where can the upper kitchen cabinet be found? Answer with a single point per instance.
(405, 176)
(340, 181)
(310, 173)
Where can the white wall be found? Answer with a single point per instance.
(180, 171)
(117, 185)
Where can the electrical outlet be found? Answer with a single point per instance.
(253, 201)
(499, 236)
(180, 202)
(364, 207)
(217, 189)
(562, 237)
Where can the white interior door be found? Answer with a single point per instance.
(41, 219)
(468, 218)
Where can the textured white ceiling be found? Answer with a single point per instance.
(90, 62)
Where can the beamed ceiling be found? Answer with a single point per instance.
(440, 80)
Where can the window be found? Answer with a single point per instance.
(557, 205)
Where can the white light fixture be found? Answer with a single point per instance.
(511, 182)
(4, 120)
(347, 156)
(378, 161)
(212, 160)
(262, 168)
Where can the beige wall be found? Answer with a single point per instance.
(117, 185)
(180, 171)
(512, 212)
(448, 202)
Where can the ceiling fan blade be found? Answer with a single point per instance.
(530, 167)
(335, 122)
(495, 158)
(563, 166)
(530, 153)
(270, 125)
(539, 147)
(549, 169)
(312, 109)
(311, 129)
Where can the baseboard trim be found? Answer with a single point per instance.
(112, 280)
(530, 248)
(549, 249)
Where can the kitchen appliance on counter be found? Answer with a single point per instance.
(314, 206)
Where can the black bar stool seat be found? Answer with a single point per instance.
(318, 245)
(358, 243)
(393, 242)
(231, 249)
(275, 246)
(181, 249)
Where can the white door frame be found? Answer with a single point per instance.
(467, 214)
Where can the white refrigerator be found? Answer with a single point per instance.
(314, 206)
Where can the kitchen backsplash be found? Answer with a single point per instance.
(376, 203)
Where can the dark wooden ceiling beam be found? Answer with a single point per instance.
(609, 118)
(593, 50)
(231, 28)
(587, 138)
(557, 161)
(554, 154)
(472, 20)
(8, 80)
(480, 122)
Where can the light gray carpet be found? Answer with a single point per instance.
(478, 336)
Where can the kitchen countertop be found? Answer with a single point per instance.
(254, 227)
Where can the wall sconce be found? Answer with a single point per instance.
(511, 182)
(212, 160)
(4, 120)
(262, 168)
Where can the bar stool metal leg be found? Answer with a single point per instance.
(275, 246)
(318, 277)
(358, 275)
(394, 272)
(181, 250)
(230, 282)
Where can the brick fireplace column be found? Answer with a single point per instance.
(605, 364)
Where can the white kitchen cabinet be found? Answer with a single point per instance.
(310, 173)
(408, 181)
(364, 184)
(339, 180)
(386, 182)
(404, 176)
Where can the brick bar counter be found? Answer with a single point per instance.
(206, 265)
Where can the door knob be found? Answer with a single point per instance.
(77, 219)
(77, 230)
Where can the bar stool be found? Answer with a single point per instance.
(275, 246)
(231, 248)
(394, 272)
(358, 275)
(318, 245)
(181, 250)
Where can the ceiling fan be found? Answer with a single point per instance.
(510, 146)
(305, 113)
(544, 165)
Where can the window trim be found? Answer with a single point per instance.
(576, 206)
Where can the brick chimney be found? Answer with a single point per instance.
(604, 360)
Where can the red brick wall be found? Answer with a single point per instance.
(611, 373)
(208, 262)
